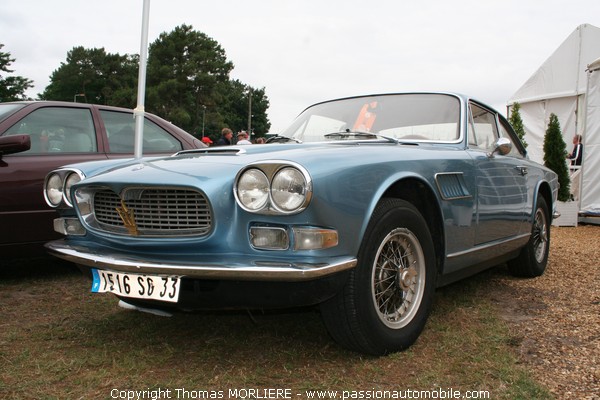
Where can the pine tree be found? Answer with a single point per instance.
(517, 123)
(555, 151)
(11, 87)
(103, 78)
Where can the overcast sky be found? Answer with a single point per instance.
(306, 51)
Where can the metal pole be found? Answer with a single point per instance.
(249, 111)
(203, 114)
(138, 112)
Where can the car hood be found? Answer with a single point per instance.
(196, 167)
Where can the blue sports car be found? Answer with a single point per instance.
(363, 206)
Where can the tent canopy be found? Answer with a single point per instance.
(567, 85)
(563, 73)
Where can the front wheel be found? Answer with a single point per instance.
(386, 301)
(533, 258)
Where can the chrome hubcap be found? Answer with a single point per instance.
(407, 277)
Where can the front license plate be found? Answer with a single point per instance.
(153, 287)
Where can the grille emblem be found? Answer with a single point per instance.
(127, 218)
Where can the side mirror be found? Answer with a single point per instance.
(503, 146)
(14, 144)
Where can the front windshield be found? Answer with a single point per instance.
(406, 117)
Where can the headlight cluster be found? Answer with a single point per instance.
(57, 186)
(273, 188)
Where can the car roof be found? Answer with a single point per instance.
(68, 104)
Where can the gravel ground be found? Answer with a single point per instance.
(556, 317)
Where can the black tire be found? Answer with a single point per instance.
(386, 301)
(533, 258)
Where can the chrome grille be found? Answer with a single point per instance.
(157, 211)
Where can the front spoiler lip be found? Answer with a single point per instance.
(255, 270)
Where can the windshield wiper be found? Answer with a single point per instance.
(279, 138)
(349, 133)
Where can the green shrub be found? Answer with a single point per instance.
(517, 123)
(555, 151)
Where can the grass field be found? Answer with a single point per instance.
(59, 341)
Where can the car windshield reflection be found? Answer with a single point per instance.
(406, 117)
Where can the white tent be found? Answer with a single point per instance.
(590, 189)
(559, 86)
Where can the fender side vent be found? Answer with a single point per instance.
(452, 186)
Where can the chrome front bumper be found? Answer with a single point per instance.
(213, 268)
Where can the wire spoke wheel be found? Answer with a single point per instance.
(540, 235)
(398, 278)
(384, 305)
(533, 258)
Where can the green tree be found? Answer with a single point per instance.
(555, 151)
(94, 76)
(184, 69)
(259, 105)
(517, 123)
(237, 100)
(11, 87)
(188, 84)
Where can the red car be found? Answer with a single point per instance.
(37, 137)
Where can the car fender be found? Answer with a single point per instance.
(392, 187)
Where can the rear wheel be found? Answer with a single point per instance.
(533, 258)
(386, 301)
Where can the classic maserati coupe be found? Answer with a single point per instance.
(363, 206)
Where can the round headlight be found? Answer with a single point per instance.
(54, 190)
(72, 179)
(289, 189)
(253, 189)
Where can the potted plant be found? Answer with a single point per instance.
(555, 151)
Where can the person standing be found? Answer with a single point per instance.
(242, 138)
(225, 139)
(577, 153)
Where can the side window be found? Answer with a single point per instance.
(482, 128)
(505, 132)
(120, 129)
(58, 130)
